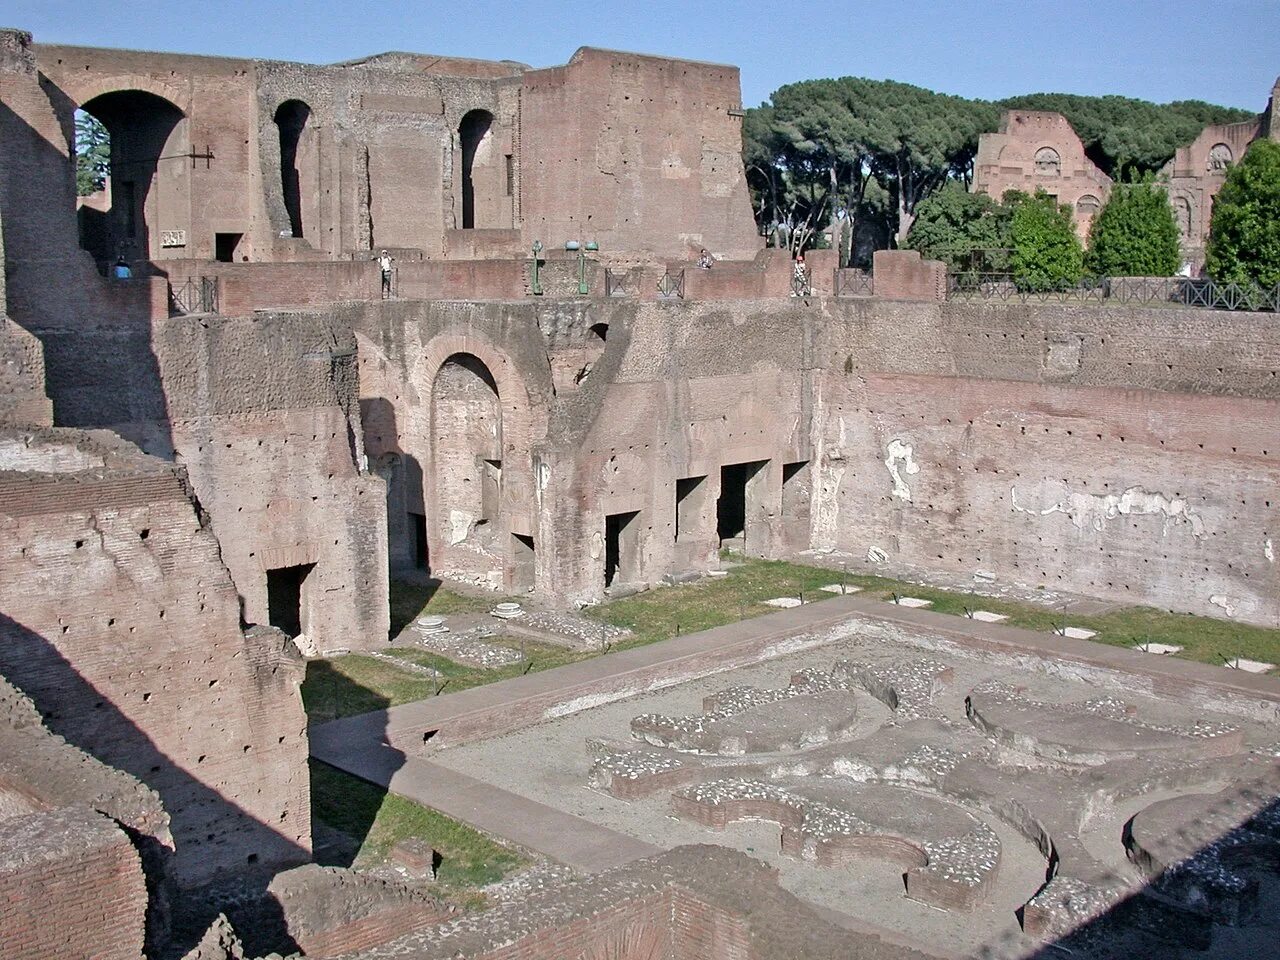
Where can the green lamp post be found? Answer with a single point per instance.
(535, 285)
(591, 245)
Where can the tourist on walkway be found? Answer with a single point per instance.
(385, 262)
(705, 260)
(800, 278)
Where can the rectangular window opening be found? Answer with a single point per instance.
(285, 597)
(224, 246)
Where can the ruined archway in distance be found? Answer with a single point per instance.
(466, 460)
(475, 141)
(291, 122)
(139, 213)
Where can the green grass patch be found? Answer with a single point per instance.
(654, 614)
(412, 600)
(354, 683)
(380, 820)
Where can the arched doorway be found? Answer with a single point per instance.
(475, 140)
(466, 457)
(295, 153)
(147, 207)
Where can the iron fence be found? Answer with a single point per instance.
(671, 285)
(194, 295)
(618, 284)
(1183, 291)
(851, 282)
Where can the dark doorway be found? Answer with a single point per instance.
(291, 119)
(621, 547)
(419, 526)
(691, 500)
(284, 597)
(474, 128)
(523, 562)
(731, 508)
(224, 246)
(599, 331)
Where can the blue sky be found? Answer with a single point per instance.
(1224, 51)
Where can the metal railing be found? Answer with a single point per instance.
(194, 295)
(1182, 291)
(671, 285)
(851, 282)
(618, 284)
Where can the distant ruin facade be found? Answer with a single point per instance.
(1038, 150)
(215, 468)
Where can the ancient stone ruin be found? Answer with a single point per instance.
(326, 327)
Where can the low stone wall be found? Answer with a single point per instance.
(84, 864)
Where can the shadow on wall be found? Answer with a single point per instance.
(70, 705)
(100, 363)
(408, 553)
(1220, 900)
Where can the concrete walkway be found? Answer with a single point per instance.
(380, 746)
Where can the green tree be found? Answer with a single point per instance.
(952, 223)
(93, 154)
(1046, 253)
(1244, 235)
(1135, 235)
(1125, 136)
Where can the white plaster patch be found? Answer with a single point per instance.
(459, 526)
(1077, 633)
(1228, 604)
(597, 545)
(986, 616)
(1094, 510)
(876, 555)
(1269, 550)
(1163, 649)
(913, 602)
(901, 463)
(840, 588)
(306, 646)
(785, 603)
(1250, 666)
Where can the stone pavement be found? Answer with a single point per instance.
(380, 746)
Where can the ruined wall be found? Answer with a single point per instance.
(80, 864)
(1196, 174)
(1124, 454)
(638, 153)
(1038, 150)
(121, 623)
(403, 347)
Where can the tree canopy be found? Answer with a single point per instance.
(952, 223)
(878, 149)
(93, 154)
(1135, 235)
(1244, 235)
(1046, 253)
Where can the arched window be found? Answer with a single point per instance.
(147, 212)
(474, 142)
(1220, 157)
(1048, 163)
(1088, 205)
(291, 120)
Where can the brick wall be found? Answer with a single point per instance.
(121, 623)
(72, 886)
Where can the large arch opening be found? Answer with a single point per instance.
(475, 139)
(466, 489)
(291, 122)
(144, 207)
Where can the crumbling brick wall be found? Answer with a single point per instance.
(120, 622)
(72, 886)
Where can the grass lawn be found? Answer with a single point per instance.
(410, 600)
(468, 858)
(653, 615)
